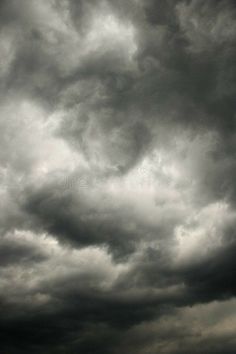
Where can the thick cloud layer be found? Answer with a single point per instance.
(117, 169)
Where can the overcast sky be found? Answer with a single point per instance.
(117, 170)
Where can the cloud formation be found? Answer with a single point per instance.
(117, 170)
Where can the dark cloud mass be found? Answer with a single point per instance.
(117, 170)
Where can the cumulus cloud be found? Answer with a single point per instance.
(117, 170)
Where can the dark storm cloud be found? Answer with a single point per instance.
(67, 211)
(208, 280)
(170, 78)
(180, 76)
(75, 222)
(17, 252)
(178, 332)
(92, 93)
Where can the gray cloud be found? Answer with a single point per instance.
(117, 176)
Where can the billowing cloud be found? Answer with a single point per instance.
(117, 170)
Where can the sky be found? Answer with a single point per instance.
(117, 176)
